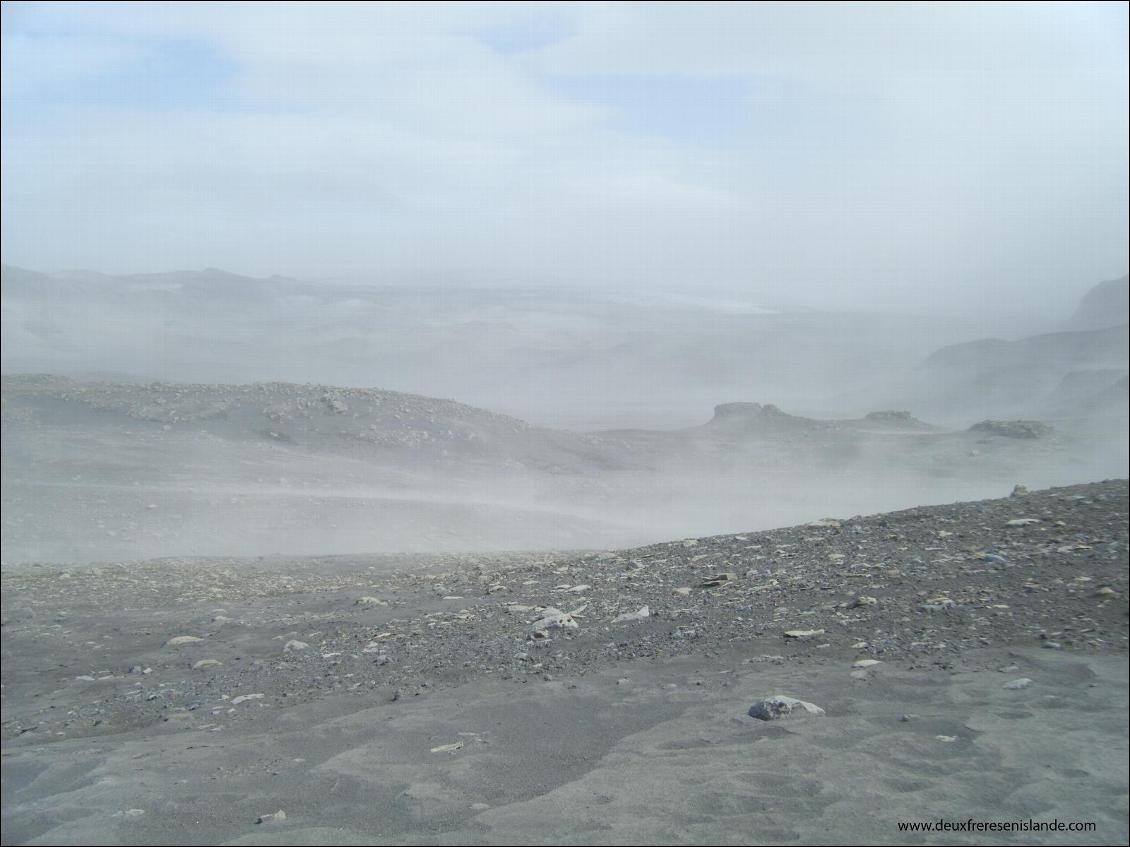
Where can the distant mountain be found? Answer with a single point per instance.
(21, 286)
(19, 282)
(1039, 376)
(560, 357)
(1075, 377)
(1072, 350)
(1103, 306)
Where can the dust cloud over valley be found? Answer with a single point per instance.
(204, 413)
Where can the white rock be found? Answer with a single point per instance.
(803, 633)
(552, 618)
(206, 663)
(638, 615)
(370, 601)
(178, 640)
(274, 817)
(448, 748)
(294, 645)
(243, 698)
(866, 663)
(1017, 684)
(1022, 522)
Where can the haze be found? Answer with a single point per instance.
(609, 233)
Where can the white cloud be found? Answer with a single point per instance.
(891, 150)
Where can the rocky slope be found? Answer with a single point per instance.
(95, 651)
(970, 659)
(313, 417)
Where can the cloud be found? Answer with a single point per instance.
(858, 154)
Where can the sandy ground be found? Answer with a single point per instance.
(658, 752)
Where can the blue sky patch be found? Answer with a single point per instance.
(539, 28)
(163, 75)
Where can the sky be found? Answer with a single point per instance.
(908, 156)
